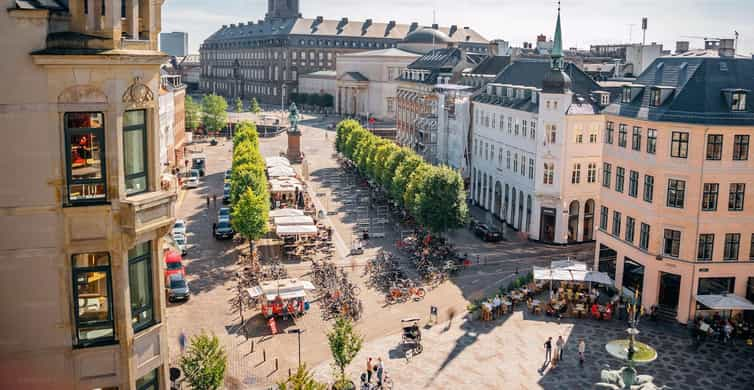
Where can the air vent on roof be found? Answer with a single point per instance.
(453, 29)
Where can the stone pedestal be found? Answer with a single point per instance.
(294, 146)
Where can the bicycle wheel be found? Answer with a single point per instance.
(418, 349)
(356, 290)
(420, 293)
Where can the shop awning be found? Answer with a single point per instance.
(281, 171)
(283, 288)
(725, 302)
(285, 213)
(296, 230)
(571, 271)
(277, 161)
(294, 220)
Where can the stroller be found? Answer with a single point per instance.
(412, 337)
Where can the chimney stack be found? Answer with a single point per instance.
(452, 30)
(681, 47)
(727, 48)
(435, 26)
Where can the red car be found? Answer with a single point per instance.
(173, 264)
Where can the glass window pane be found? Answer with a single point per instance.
(148, 381)
(94, 313)
(133, 118)
(84, 120)
(140, 284)
(133, 144)
(85, 260)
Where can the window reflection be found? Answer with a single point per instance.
(85, 157)
(92, 293)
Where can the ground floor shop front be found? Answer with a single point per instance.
(671, 284)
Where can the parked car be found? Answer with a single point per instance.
(226, 195)
(178, 288)
(181, 242)
(198, 162)
(174, 264)
(226, 179)
(191, 179)
(179, 227)
(223, 230)
(223, 214)
(226, 187)
(488, 233)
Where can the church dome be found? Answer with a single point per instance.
(427, 35)
(556, 81)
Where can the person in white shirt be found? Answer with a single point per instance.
(582, 349)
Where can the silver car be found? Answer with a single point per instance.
(178, 288)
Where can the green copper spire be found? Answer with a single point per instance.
(557, 48)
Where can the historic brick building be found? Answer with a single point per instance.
(264, 59)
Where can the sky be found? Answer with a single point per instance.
(584, 22)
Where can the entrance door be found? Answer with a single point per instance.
(670, 287)
(547, 224)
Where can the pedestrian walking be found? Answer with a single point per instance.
(214, 200)
(207, 201)
(182, 341)
(379, 370)
(548, 349)
(214, 227)
(561, 346)
(582, 349)
(369, 370)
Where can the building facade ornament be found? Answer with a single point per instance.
(138, 94)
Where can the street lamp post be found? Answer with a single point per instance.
(298, 331)
(282, 103)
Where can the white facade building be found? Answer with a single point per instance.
(317, 83)
(366, 82)
(453, 126)
(536, 150)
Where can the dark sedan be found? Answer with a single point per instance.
(223, 230)
(487, 233)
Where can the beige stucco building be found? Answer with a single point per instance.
(82, 212)
(676, 217)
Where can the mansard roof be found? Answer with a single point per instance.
(696, 89)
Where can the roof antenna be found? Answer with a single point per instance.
(434, 22)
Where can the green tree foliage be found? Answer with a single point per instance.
(440, 205)
(394, 160)
(301, 380)
(255, 106)
(248, 185)
(204, 362)
(192, 113)
(344, 343)
(238, 105)
(412, 195)
(402, 176)
(342, 131)
(433, 195)
(215, 112)
(250, 214)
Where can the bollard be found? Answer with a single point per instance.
(276, 364)
(252, 347)
(264, 355)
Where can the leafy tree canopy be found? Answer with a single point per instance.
(204, 362)
(215, 112)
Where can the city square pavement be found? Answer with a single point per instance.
(509, 354)
(452, 357)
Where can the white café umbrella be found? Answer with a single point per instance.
(725, 302)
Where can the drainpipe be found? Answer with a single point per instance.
(698, 216)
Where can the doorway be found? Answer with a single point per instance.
(547, 224)
(670, 288)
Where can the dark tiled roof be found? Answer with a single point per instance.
(334, 28)
(698, 94)
(531, 72)
(355, 76)
(443, 60)
(492, 65)
(524, 104)
(53, 5)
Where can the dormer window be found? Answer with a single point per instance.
(626, 95)
(738, 101)
(604, 99)
(655, 97)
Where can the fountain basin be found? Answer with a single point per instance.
(643, 353)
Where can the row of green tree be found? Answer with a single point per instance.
(433, 195)
(212, 112)
(249, 195)
(313, 99)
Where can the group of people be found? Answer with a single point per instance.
(553, 357)
(722, 329)
(373, 368)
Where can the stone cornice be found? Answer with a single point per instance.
(111, 57)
